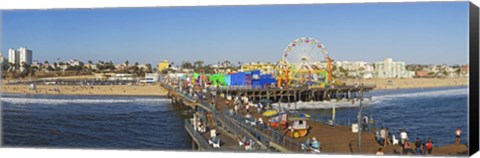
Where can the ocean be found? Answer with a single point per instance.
(151, 123)
(105, 122)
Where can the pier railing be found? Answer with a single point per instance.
(238, 126)
(201, 142)
(233, 128)
(268, 135)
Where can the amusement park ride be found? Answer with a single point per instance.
(295, 67)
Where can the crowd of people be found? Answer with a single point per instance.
(384, 138)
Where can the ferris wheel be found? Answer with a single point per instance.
(303, 51)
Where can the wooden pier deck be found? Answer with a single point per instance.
(334, 139)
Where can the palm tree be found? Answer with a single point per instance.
(186, 65)
(135, 68)
(11, 67)
(50, 68)
(141, 72)
(198, 64)
(226, 63)
(126, 66)
(149, 68)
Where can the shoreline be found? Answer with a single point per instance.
(97, 90)
(410, 83)
(156, 90)
(411, 88)
(132, 95)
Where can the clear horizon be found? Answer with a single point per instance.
(416, 33)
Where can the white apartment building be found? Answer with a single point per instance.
(354, 65)
(12, 56)
(25, 55)
(391, 69)
(359, 69)
(20, 55)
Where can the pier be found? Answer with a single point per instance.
(210, 106)
(234, 128)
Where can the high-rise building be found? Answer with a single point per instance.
(12, 56)
(25, 55)
(19, 56)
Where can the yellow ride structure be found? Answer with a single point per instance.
(298, 70)
(295, 69)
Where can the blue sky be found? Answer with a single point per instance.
(418, 33)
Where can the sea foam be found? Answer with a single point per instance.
(16, 100)
(377, 99)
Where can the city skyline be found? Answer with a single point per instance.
(417, 33)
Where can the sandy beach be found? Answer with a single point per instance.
(132, 90)
(157, 90)
(410, 83)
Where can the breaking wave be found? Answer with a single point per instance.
(439, 93)
(377, 99)
(22, 101)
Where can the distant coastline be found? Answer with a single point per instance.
(410, 83)
(156, 90)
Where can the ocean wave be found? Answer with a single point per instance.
(23, 101)
(380, 99)
(439, 93)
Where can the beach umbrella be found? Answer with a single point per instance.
(303, 115)
(269, 113)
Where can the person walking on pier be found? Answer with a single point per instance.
(429, 146)
(315, 145)
(403, 137)
(382, 137)
(418, 146)
(212, 98)
(236, 109)
(387, 137)
(260, 121)
(458, 132)
(405, 147)
(365, 123)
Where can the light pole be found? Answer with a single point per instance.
(359, 117)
